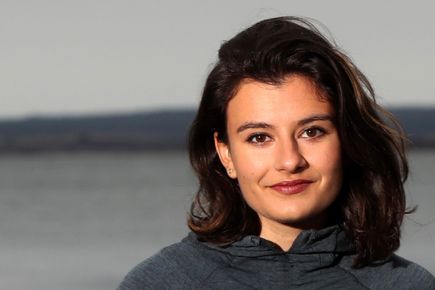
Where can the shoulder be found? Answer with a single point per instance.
(183, 265)
(394, 273)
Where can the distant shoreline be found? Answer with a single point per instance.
(148, 131)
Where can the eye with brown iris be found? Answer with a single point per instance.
(313, 132)
(258, 138)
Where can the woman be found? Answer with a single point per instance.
(300, 175)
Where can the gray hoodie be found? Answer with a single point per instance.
(317, 260)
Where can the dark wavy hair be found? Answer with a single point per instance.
(371, 204)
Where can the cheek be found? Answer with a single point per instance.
(250, 165)
(330, 163)
(327, 161)
(332, 167)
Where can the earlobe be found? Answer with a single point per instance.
(223, 151)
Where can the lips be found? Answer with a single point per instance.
(291, 187)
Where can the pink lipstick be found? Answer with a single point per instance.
(291, 187)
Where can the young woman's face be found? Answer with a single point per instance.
(284, 150)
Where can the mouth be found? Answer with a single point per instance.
(291, 187)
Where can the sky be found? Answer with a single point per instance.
(64, 57)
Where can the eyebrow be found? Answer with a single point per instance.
(263, 125)
(253, 125)
(320, 117)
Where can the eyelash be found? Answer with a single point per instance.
(319, 132)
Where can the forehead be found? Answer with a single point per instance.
(295, 98)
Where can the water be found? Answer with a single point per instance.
(81, 221)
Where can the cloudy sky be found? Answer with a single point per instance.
(86, 56)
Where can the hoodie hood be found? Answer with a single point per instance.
(318, 259)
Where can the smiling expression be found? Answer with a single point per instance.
(284, 150)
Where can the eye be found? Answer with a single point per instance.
(258, 138)
(312, 132)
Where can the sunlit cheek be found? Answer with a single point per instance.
(327, 162)
(325, 159)
(249, 169)
(329, 149)
(251, 166)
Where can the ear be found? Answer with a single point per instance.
(224, 154)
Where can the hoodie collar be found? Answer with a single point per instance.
(330, 240)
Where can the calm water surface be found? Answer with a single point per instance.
(81, 221)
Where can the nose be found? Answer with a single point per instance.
(289, 157)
